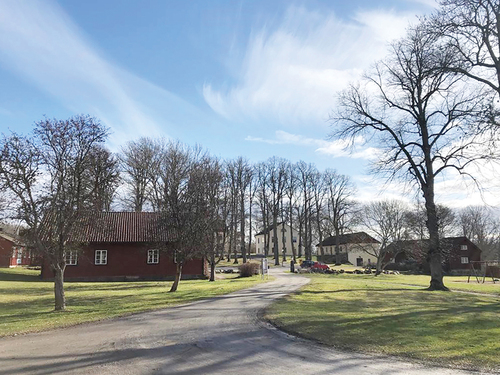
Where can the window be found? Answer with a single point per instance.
(19, 259)
(294, 239)
(463, 247)
(153, 256)
(465, 260)
(101, 257)
(71, 258)
(258, 240)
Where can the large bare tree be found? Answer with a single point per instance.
(47, 172)
(471, 30)
(423, 117)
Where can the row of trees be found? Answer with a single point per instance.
(62, 171)
(252, 197)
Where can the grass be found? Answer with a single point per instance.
(26, 302)
(385, 315)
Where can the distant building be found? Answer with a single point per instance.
(352, 247)
(291, 235)
(458, 252)
(13, 253)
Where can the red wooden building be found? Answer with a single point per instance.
(124, 246)
(457, 252)
(12, 252)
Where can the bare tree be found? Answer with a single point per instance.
(305, 174)
(387, 220)
(319, 190)
(480, 225)
(263, 202)
(103, 176)
(48, 175)
(291, 194)
(417, 218)
(471, 29)
(139, 162)
(276, 182)
(423, 117)
(341, 206)
(180, 191)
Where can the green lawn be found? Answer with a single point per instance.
(385, 315)
(26, 302)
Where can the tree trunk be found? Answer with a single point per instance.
(212, 271)
(379, 265)
(178, 273)
(434, 254)
(338, 261)
(242, 228)
(212, 266)
(275, 239)
(60, 298)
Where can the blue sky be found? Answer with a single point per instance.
(252, 78)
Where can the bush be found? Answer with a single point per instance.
(249, 269)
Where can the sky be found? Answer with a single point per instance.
(253, 78)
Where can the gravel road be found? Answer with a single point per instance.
(221, 335)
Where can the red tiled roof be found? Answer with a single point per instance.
(122, 227)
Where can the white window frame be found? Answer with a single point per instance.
(71, 258)
(464, 260)
(153, 256)
(103, 260)
(463, 247)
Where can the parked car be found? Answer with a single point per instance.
(320, 266)
(313, 266)
(307, 263)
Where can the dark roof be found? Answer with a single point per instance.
(9, 237)
(359, 237)
(121, 227)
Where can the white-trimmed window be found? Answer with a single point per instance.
(71, 258)
(153, 256)
(463, 247)
(464, 260)
(101, 257)
(19, 259)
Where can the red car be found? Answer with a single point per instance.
(320, 266)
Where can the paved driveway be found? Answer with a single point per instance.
(216, 336)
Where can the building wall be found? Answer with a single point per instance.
(354, 251)
(5, 252)
(472, 253)
(289, 237)
(126, 261)
(12, 255)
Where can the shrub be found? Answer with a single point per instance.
(249, 269)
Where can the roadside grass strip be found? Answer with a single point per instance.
(385, 315)
(27, 303)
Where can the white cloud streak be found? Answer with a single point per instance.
(43, 45)
(336, 148)
(291, 74)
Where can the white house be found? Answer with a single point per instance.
(353, 248)
(291, 235)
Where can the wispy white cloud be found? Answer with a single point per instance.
(336, 148)
(292, 73)
(44, 46)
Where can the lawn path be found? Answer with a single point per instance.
(221, 335)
